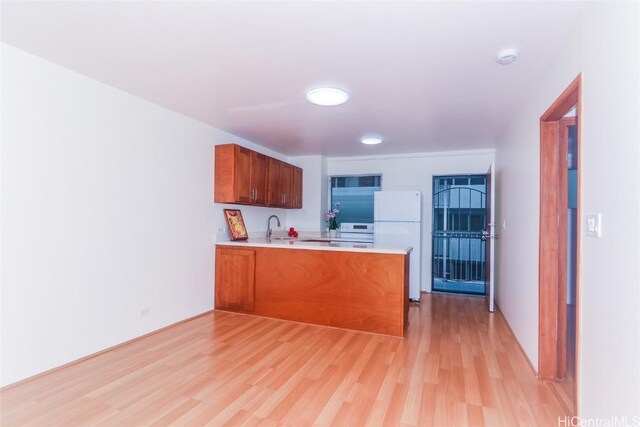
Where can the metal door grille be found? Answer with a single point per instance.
(459, 218)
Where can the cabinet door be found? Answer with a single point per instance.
(231, 171)
(286, 184)
(297, 187)
(235, 279)
(258, 178)
(273, 182)
(224, 167)
(242, 178)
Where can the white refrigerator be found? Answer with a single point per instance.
(398, 222)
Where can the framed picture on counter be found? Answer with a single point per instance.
(235, 223)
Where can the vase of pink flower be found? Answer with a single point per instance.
(331, 218)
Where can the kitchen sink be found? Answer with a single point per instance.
(301, 239)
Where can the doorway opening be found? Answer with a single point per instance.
(559, 251)
(569, 204)
(459, 233)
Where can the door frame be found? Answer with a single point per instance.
(491, 239)
(552, 285)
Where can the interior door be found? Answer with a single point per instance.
(490, 237)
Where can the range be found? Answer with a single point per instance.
(354, 233)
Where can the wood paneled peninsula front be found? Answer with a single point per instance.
(349, 286)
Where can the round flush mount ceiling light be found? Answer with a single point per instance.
(327, 96)
(507, 56)
(371, 140)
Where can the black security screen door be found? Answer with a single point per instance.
(459, 218)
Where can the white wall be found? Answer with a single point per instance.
(415, 172)
(604, 46)
(107, 208)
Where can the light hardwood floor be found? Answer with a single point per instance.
(458, 365)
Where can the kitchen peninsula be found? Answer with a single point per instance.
(346, 285)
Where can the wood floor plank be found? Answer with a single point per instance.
(383, 397)
(458, 365)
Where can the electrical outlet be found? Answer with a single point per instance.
(145, 312)
(594, 225)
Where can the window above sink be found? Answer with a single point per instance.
(355, 194)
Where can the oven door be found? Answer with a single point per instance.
(353, 237)
(354, 232)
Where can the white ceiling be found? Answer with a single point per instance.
(421, 74)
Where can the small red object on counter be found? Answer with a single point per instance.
(293, 232)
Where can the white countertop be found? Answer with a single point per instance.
(320, 243)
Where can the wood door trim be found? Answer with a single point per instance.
(549, 286)
(551, 290)
(563, 205)
(569, 98)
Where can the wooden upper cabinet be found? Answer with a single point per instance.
(286, 184)
(232, 179)
(274, 196)
(247, 177)
(297, 188)
(280, 184)
(241, 174)
(258, 178)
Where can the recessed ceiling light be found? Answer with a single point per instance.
(371, 140)
(327, 96)
(507, 56)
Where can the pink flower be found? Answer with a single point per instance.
(331, 216)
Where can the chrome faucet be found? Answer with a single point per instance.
(269, 225)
